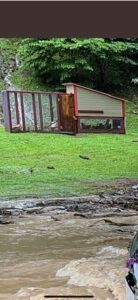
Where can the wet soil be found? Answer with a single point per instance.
(122, 200)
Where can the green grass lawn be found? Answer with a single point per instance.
(112, 156)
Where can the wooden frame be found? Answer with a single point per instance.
(39, 113)
(34, 111)
(98, 111)
(19, 119)
(121, 130)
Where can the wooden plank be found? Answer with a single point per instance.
(34, 111)
(22, 111)
(16, 108)
(100, 117)
(58, 100)
(9, 111)
(36, 92)
(51, 108)
(91, 111)
(123, 109)
(123, 125)
(76, 100)
(40, 112)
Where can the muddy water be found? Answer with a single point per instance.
(62, 254)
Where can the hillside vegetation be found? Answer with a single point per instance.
(109, 65)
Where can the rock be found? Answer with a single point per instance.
(80, 215)
(55, 219)
(125, 205)
(135, 187)
(5, 221)
(121, 192)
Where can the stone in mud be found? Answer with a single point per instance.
(5, 221)
(121, 192)
(80, 215)
(135, 187)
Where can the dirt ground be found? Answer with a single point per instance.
(115, 198)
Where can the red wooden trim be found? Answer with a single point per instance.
(99, 117)
(91, 111)
(40, 112)
(51, 108)
(36, 92)
(123, 125)
(123, 109)
(34, 111)
(76, 100)
(22, 111)
(16, 108)
(121, 130)
(9, 112)
(58, 111)
(92, 90)
(76, 108)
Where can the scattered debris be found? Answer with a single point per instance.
(80, 215)
(50, 167)
(117, 224)
(54, 218)
(31, 170)
(16, 128)
(122, 202)
(84, 157)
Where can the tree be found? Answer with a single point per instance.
(96, 62)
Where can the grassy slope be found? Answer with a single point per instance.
(112, 156)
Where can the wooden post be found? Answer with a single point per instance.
(22, 111)
(40, 112)
(34, 111)
(51, 108)
(9, 111)
(16, 108)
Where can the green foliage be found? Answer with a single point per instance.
(2, 85)
(135, 80)
(24, 81)
(8, 50)
(109, 65)
(132, 118)
(97, 62)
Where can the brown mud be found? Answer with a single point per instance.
(122, 200)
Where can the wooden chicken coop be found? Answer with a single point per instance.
(79, 109)
(96, 111)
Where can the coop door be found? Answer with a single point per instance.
(66, 108)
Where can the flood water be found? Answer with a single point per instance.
(41, 255)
